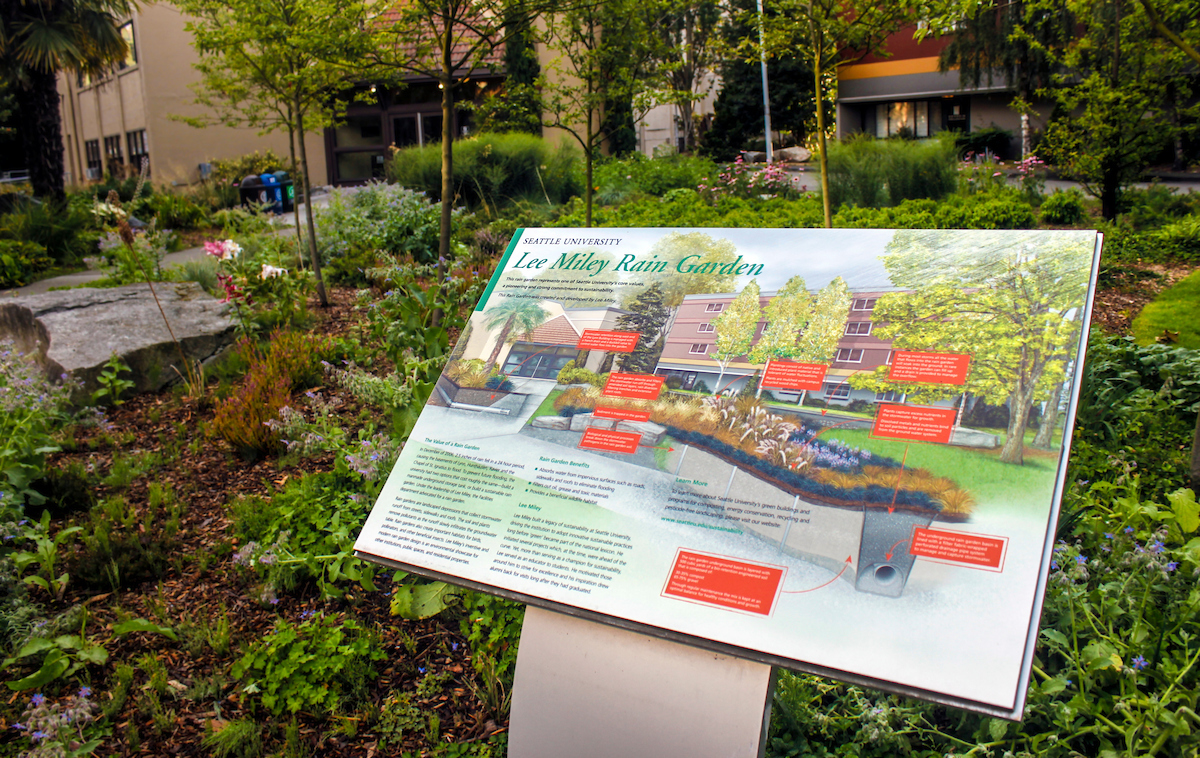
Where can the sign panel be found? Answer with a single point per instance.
(769, 454)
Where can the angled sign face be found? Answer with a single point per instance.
(838, 451)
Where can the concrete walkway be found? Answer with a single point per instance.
(286, 222)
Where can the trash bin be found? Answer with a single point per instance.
(288, 187)
(250, 189)
(273, 193)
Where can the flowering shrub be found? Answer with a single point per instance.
(739, 179)
(59, 728)
(264, 292)
(138, 262)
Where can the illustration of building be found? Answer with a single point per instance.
(691, 341)
(544, 352)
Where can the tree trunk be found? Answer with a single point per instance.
(1018, 416)
(38, 121)
(500, 340)
(1045, 435)
(447, 154)
(300, 196)
(588, 158)
(822, 158)
(1110, 190)
(1026, 137)
(314, 256)
(720, 376)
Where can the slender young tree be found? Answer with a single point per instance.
(276, 64)
(819, 340)
(683, 57)
(735, 329)
(787, 313)
(38, 39)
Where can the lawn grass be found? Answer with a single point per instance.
(980, 472)
(1173, 311)
(547, 406)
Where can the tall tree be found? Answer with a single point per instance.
(517, 107)
(276, 64)
(447, 41)
(1012, 302)
(1012, 43)
(833, 33)
(683, 57)
(38, 39)
(787, 313)
(516, 317)
(602, 59)
(648, 314)
(698, 251)
(736, 327)
(819, 340)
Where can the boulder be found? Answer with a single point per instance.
(29, 336)
(964, 437)
(86, 326)
(793, 154)
(754, 156)
(582, 421)
(652, 433)
(557, 423)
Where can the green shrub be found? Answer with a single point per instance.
(62, 230)
(1181, 239)
(233, 170)
(1156, 205)
(492, 170)
(315, 664)
(619, 179)
(871, 173)
(122, 547)
(1063, 208)
(997, 210)
(573, 374)
(379, 217)
(993, 140)
(19, 261)
(170, 211)
(124, 187)
(686, 208)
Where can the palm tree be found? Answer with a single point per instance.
(520, 312)
(38, 39)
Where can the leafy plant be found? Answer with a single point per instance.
(122, 547)
(1063, 208)
(60, 728)
(382, 218)
(20, 260)
(492, 626)
(307, 665)
(111, 384)
(45, 554)
(240, 738)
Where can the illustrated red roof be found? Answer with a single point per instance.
(557, 331)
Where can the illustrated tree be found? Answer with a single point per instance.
(648, 314)
(819, 340)
(735, 329)
(787, 313)
(1013, 304)
(447, 41)
(278, 64)
(699, 249)
(38, 39)
(603, 53)
(517, 317)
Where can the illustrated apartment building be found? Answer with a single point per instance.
(691, 343)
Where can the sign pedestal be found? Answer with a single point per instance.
(591, 690)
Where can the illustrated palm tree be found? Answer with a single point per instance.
(518, 315)
(39, 38)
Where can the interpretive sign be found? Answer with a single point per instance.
(780, 444)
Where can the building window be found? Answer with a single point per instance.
(714, 308)
(114, 162)
(859, 328)
(888, 361)
(95, 164)
(864, 304)
(847, 355)
(837, 391)
(136, 142)
(699, 348)
(706, 327)
(903, 117)
(891, 396)
(130, 58)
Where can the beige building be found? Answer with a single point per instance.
(109, 124)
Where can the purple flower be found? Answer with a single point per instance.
(1108, 535)
(1081, 559)
(19, 727)
(1172, 565)
(1129, 530)
(1157, 547)
(1054, 565)
(420, 669)
(38, 699)
(85, 692)
(1139, 663)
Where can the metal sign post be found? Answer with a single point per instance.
(590, 690)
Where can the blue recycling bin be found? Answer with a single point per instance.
(273, 192)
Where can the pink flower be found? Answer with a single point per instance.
(996, 173)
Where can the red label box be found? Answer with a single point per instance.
(717, 580)
(616, 342)
(963, 548)
(640, 386)
(915, 423)
(930, 368)
(620, 413)
(794, 376)
(610, 442)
